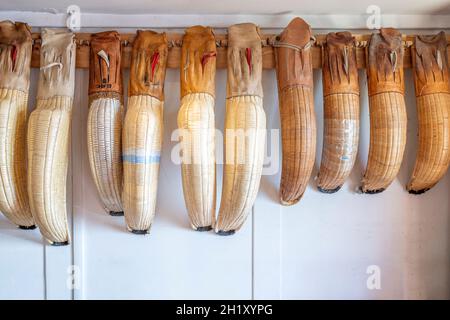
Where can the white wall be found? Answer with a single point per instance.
(319, 248)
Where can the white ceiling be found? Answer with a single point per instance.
(311, 7)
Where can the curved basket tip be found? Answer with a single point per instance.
(60, 244)
(225, 233)
(289, 202)
(202, 229)
(116, 213)
(416, 192)
(375, 191)
(32, 227)
(144, 232)
(329, 190)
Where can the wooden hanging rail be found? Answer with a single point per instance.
(175, 40)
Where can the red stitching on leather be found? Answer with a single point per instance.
(206, 56)
(13, 56)
(155, 59)
(248, 55)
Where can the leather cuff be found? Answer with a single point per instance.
(148, 64)
(105, 74)
(198, 61)
(385, 62)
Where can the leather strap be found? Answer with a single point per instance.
(148, 64)
(198, 61)
(15, 55)
(385, 62)
(339, 69)
(105, 74)
(430, 63)
(293, 55)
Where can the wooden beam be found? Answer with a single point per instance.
(83, 40)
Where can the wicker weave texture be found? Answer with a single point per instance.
(433, 154)
(245, 136)
(48, 156)
(340, 140)
(198, 167)
(298, 132)
(104, 135)
(13, 176)
(387, 140)
(142, 138)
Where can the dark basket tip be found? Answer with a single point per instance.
(202, 229)
(225, 233)
(418, 191)
(139, 231)
(329, 190)
(116, 213)
(28, 227)
(60, 244)
(372, 191)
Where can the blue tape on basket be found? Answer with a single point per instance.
(132, 158)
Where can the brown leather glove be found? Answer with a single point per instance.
(244, 60)
(198, 61)
(105, 74)
(148, 64)
(385, 62)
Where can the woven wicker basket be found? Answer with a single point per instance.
(49, 136)
(431, 78)
(296, 99)
(245, 124)
(105, 117)
(15, 56)
(387, 110)
(142, 130)
(341, 111)
(197, 125)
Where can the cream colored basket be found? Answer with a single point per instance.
(15, 56)
(49, 136)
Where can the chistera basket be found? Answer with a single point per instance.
(387, 110)
(296, 99)
(432, 86)
(341, 111)
(15, 57)
(105, 117)
(142, 130)
(196, 126)
(245, 128)
(49, 136)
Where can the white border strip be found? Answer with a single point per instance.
(95, 20)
